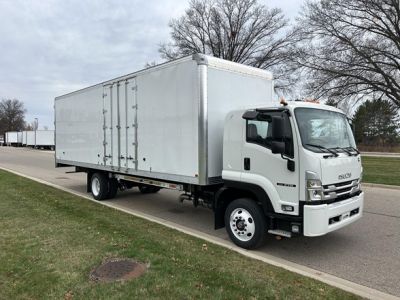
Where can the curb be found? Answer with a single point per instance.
(357, 289)
(382, 186)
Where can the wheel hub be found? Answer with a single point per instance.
(242, 224)
(95, 186)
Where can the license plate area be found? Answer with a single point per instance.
(344, 216)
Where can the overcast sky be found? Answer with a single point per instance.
(51, 47)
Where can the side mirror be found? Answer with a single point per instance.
(278, 147)
(277, 128)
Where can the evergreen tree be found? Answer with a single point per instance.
(377, 123)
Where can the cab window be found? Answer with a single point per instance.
(260, 132)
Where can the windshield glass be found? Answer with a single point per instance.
(323, 129)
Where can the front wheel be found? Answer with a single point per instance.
(245, 223)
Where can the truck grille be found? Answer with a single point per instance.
(342, 190)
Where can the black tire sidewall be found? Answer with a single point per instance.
(259, 220)
(113, 188)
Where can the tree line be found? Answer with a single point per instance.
(12, 116)
(344, 52)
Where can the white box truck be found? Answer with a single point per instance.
(19, 138)
(24, 138)
(30, 139)
(208, 127)
(12, 138)
(44, 138)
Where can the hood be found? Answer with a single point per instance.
(340, 169)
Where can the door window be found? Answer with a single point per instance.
(260, 132)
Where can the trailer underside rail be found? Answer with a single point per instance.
(163, 184)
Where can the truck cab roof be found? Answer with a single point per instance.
(291, 105)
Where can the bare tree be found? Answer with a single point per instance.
(242, 31)
(150, 64)
(29, 126)
(350, 49)
(12, 114)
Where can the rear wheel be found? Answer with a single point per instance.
(245, 223)
(99, 186)
(148, 189)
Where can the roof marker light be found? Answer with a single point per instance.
(311, 100)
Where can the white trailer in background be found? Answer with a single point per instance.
(39, 139)
(12, 138)
(19, 137)
(209, 128)
(30, 139)
(24, 138)
(44, 138)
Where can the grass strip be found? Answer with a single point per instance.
(50, 240)
(382, 170)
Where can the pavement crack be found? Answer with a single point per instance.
(380, 214)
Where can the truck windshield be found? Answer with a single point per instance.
(324, 130)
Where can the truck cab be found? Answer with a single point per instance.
(293, 169)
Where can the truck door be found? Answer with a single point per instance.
(268, 170)
(128, 123)
(108, 124)
(120, 124)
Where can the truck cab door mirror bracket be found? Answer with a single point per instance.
(291, 165)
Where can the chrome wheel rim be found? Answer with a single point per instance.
(95, 186)
(242, 224)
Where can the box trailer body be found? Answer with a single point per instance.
(30, 139)
(19, 137)
(209, 128)
(24, 137)
(44, 138)
(12, 137)
(165, 122)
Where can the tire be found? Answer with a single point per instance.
(113, 188)
(99, 184)
(148, 189)
(245, 223)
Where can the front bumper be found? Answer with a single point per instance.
(324, 218)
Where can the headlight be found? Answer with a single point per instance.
(314, 190)
(313, 184)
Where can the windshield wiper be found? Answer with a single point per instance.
(354, 149)
(344, 149)
(323, 148)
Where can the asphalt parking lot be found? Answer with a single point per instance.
(366, 252)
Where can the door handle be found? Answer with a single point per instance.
(247, 163)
